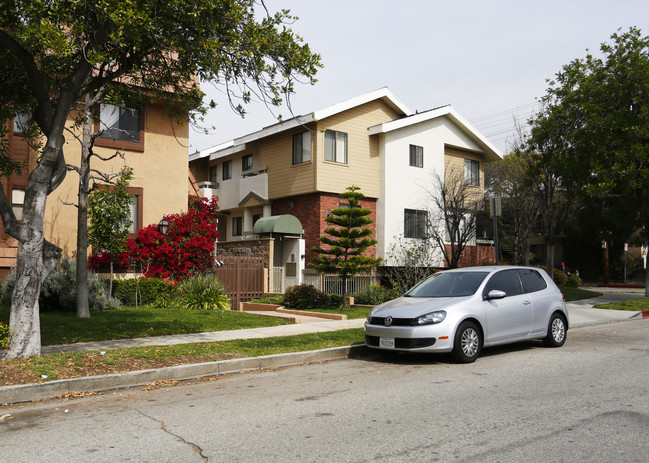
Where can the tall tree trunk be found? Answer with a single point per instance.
(83, 309)
(37, 258)
(606, 277)
(550, 257)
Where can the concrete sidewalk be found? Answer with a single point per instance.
(581, 313)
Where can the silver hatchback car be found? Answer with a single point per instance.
(463, 310)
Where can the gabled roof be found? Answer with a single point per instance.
(447, 111)
(238, 144)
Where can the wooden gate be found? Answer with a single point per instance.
(242, 276)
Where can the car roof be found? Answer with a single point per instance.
(487, 268)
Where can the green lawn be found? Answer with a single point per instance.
(576, 294)
(632, 304)
(126, 323)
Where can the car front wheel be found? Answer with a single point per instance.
(468, 343)
(556, 336)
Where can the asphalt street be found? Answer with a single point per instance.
(587, 401)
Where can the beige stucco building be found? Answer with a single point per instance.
(153, 144)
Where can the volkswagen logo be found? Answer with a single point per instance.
(387, 321)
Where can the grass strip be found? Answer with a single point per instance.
(576, 294)
(79, 364)
(631, 304)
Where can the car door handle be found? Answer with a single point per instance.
(528, 302)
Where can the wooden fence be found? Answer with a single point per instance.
(242, 276)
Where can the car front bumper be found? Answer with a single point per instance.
(425, 338)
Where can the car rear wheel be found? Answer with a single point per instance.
(556, 336)
(468, 343)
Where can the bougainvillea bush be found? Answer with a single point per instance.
(187, 248)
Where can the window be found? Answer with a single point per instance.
(119, 123)
(506, 281)
(414, 223)
(237, 226)
(246, 163)
(213, 174)
(20, 122)
(335, 146)
(136, 210)
(301, 147)
(18, 202)
(256, 217)
(471, 172)
(227, 170)
(532, 280)
(416, 156)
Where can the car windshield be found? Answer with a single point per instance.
(451, 284)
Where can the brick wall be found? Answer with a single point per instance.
(312, 209)
(476, 255)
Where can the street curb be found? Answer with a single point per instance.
(50, 389)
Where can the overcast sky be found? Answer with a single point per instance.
(489, 59)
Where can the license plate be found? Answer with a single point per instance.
(386, 342)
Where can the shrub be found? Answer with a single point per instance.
(5, 333)
(573, 281)
(305, 297)
(560, 277)
(375, 295)
(187, 248)
(59, 291)
(334, 300)
(204, 292)
(136, 291)
(275, 299)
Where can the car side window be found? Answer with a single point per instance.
(506, 281)
(532, 280)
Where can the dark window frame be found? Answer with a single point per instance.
(130, 144)
(246, 162)
(416, 156)
(237, 226)
(414, 223)
(226, 170)
(301, 154)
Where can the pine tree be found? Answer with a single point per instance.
(347, 241)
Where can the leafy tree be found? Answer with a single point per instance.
(594, 125)
(508, 178)
(110, 218)
(347, 241)
(453, 213)
(55, 53)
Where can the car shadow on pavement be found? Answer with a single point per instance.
(425, 358)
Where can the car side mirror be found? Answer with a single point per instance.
(495, 294)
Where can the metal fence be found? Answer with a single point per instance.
(277, 282)
(332, 284)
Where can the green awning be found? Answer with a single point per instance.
(287, 224)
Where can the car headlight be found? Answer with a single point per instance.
(431, 318)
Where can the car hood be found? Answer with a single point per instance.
(411, 307)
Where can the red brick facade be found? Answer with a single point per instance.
(312, 209)
(476, 255)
